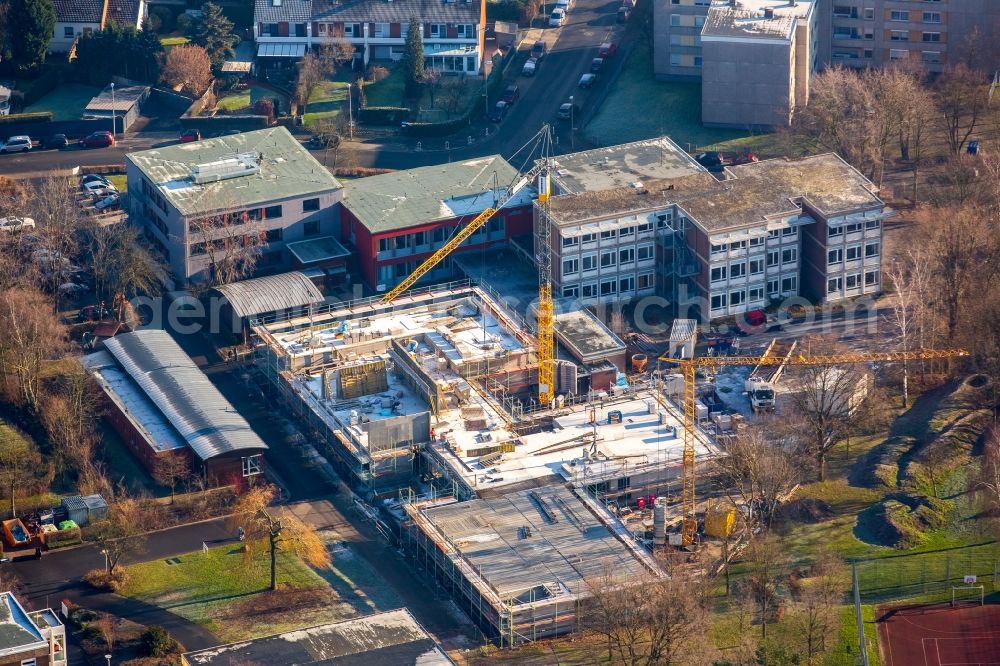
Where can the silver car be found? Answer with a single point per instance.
(10, 224)
(16, 144)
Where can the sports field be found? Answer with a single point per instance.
(939, 635)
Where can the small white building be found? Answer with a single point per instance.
(123, 102)
(76, 18)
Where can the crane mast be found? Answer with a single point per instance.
(689, 368)
(543, 257)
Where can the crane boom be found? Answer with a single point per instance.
(459, 238)
(689, 367)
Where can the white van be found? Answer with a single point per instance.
(557, 17)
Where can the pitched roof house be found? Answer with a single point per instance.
(75, 18)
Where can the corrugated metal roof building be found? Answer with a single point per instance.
(272, 294)
(220, 442)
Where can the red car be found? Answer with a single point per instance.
(98, 140)
(607, 50)
(190, 135)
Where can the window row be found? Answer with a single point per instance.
(623, 285)
(607, 259)
(495, 225)
(852, 252)
(737, 297)
(851, 281)
(737, 246)
(738, 270)
(835, 231)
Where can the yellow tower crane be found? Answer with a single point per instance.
(689, 367)
(546, 354)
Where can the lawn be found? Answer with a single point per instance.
(244, 99)
(173, 40)
(325, 102)
(120, 181)
(66, 102)
(388, 91)
(224, 590)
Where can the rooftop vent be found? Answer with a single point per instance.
(769, 12)
(276, 3)
(244, 164)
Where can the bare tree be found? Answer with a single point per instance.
(765, 564)
(310, 75)
(910, 282)
(122, 533)
(962, 101)
(189, 68)
(825, 399)
(757, 470)
(32, 334)
(107, 626)
(456, 94)
(651, 620)
(253, 514)
(232, 242)
(57, 213)
(987, 481)
(121, 264)
(432, 82)
(817, 602)
(335, 53)
(69, 418)
(171, 469)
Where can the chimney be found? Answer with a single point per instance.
(769, 12)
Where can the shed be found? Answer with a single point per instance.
(124, 102)
(274, 294)
(85, 510)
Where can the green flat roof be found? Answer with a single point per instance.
(287, 170)
(403, 199)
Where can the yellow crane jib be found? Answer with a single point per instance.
(455, 241)
(689, 367)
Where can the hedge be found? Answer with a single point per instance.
(383, 115)
(37, 117)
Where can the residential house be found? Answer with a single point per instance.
(397, 220)
(451, 30)
(30, 638)
(644, 219)
(75, 18)
(198, 202)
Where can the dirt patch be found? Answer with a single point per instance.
(901, 521)
(282, 600)
(806, 510)
(879, 468)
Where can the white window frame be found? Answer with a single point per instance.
(570, 266)
(589, 289)
(644, 252)
(609, 259)
(835, 256)
(570, 241)
(571, 291)
(792, 252)
(723, 300)
(792, 280)
(719, 274)
(252, 465)
(626, 256)
(737, 270)
(877, 245)
(756, 266)
(854, 250)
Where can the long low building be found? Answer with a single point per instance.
(162, 404)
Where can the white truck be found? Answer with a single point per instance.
(761, 385)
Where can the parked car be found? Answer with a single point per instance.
(538, 50)
(498, 111)
(93, 178)
(557, 17)
(189, 136)
(511, 94)
(711, 160)
(587, 80)
(97, 188)
(94, 313)
(563, 5)
(16, 223)
(566, 111)
(110, 201)
(607, 49)
(98, 140)
(529, 67)
(623, 14)
(16, 144)
(596, 65)
(57, 142)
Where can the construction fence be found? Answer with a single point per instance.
(928, 576)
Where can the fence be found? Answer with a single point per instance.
(925, 577)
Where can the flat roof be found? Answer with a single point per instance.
(746, 19)
(287, 170)
(622, 165)
(17, 631)
(536, 545)
(586, 336)
(403, 199)
(392, 638)
(133, 402)
(124, 98)
(318, 249)
(202, 416)
(751, 194)
(271, 293)
(507, 272)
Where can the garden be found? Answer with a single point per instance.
(65, 102)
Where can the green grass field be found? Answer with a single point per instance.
(325, 102)
(173, 40)
(66, 102)
(120, 181)
(388, 91)
(243, 99)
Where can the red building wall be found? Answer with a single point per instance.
(517, 222)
